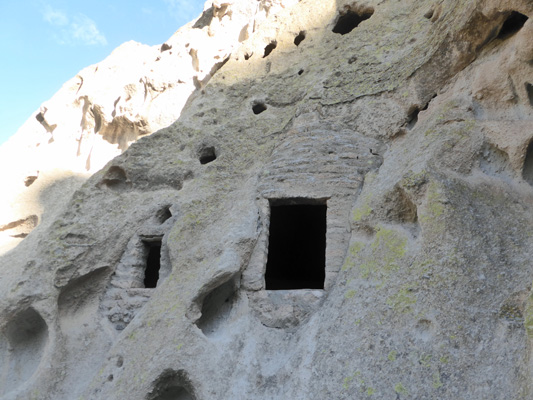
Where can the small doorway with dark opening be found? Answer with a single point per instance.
(297, 244)
(153, 262)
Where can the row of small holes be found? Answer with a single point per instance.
(345, 24)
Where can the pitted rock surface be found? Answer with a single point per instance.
(411, 121)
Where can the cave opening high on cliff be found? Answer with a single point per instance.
(297, 246)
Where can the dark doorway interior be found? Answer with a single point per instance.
(297, 247)
(153, 264)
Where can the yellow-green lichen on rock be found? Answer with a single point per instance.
(381, 114)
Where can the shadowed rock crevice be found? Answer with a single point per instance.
(412, 117)
(414, 110)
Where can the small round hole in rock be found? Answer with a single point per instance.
(258, 108)
(207, 155)
(300, 72)
(271, 46)
(300, 38)
(429, 13)
(350, 20)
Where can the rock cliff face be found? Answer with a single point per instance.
(342, 210)
(137, 90)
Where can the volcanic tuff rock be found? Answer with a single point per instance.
(97, 114)
(411, 121)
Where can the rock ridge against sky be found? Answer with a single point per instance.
(336, 203)
(45, 42)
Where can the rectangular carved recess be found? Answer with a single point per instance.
(297, 244)
(153, 262)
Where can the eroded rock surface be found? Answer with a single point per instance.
(411, 121)
(97, 114)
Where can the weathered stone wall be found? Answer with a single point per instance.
(414, 128)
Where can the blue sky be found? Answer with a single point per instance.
(44, 43)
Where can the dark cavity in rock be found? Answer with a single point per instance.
(207, 155)
(349, 20)
(529, 90)
(153, 263)
(164, 214)
(514, 22)
(28, 181)
(300, 38)
(172, 385)
(258, 108)
(297, 247)
(269, 48)
(527, 172)
(115, 178)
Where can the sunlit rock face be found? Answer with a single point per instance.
(97, 114)
(390, 140)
